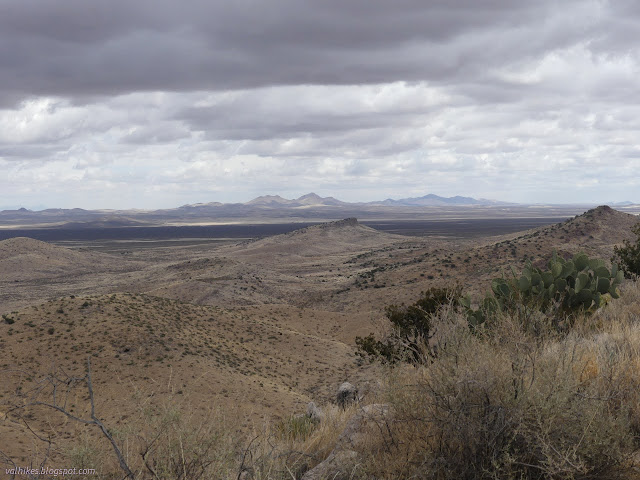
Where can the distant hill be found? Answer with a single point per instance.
(25, 258)
(107, 222)
(432, 200)
(596, 230)
(305, 200)
(339, 236)
(269, 200)
(595, 233)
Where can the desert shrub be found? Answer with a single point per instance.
(541, 301)
(412, 328)
(168, 441)
(179, 446)
(164, 441)
(628, 256)
(505, 405)
(85, 454)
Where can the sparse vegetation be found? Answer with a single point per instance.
(628, 256)
(294, 428)
(512, 405)
(411, 328)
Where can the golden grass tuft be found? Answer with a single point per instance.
(277, 454)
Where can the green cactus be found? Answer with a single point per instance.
(582, 280)
(569, 286)
(581, 261)
(619, 277)
(536, 279)
(603, 285)
(500, 287)
(568, 269)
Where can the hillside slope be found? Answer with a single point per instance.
(342, 236)
(31, 270)
(247, 363)
(399, 273)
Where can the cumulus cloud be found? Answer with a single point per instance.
(200, 101)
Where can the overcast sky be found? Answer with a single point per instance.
(157, 103)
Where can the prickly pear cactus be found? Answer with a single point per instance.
(579, 284)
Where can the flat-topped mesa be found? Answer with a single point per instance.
(346, 222)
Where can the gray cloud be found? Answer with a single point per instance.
(75, 47)
(183, 102)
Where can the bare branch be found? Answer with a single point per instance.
(244, 456)
(61, 410)
(53, 380)
(96, 421)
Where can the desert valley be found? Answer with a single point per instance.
(250, 330)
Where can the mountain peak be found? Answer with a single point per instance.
(269, 200)
(310, 196)
(310, 199)
(599, 211)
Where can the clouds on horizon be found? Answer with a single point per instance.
(153, 104)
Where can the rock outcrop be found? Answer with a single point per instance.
(314, 412)
(347, 394)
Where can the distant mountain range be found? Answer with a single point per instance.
(304, 200)
(432, 200)
(312, 199)
(309, 207)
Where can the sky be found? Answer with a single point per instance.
(157, 103)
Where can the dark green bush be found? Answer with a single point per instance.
(628, 256)
(411, 328)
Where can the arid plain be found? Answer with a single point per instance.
(252, 328)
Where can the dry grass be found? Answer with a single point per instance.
(167, 442)
(164, 441)
(508, 405)
(275, 454)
